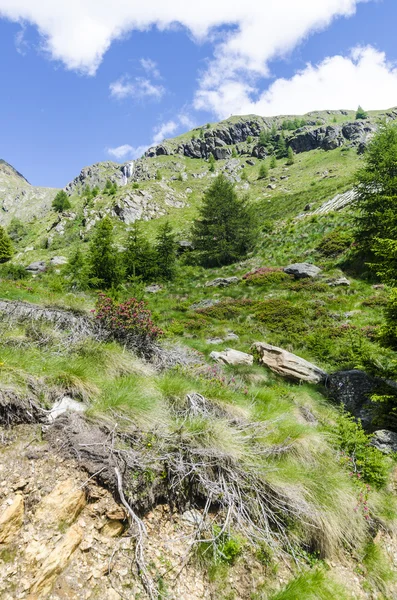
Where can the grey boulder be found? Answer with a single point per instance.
(38, 266)
(58, 260)
(222, 282)
(233, 357)
(287, 364)
(302, 270)
(385, 441)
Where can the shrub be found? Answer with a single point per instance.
(228, 309)
(263, 170)
(335, 242)
(266, 275)
(282, 315)
(364, 462)
(129, 322)
(224, 549)
(273, 162)
(13, 272)
(16, 230)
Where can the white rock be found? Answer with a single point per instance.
(287, 364)
(63, 406)
(233, 357)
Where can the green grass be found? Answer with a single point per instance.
(315, 584)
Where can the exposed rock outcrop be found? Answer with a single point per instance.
(11, 520)
(287, 364)
(222, 282)
(385, 441)
(232, 357)
(353, 389)
(302, 270)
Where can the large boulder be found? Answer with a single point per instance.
(287, 364)
(385, 441)
(353, 390)
(233, 357)
(302, 270)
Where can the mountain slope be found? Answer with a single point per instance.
(20, 199)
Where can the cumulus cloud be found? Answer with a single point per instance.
(137, 88)
(79, 33)
(160, 133)
(364, 77)
(164, 130)
(121, 152)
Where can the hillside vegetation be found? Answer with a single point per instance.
(239, 409)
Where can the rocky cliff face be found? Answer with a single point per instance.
(20, 199)
(243, 134)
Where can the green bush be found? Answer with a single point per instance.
(335, 242)
(279, 315)
(266, 276)
(13, 272)
(6, 249)
(389, 330)
(228, 309)
(61, 202)
(224, 549)
(364, 462)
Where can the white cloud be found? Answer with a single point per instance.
(150, 66)
(79, 33)
(121, 151)
(136, 88)
(160, 133)
(364, 77)
(163, 131)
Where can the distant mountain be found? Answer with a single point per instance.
(20, 199)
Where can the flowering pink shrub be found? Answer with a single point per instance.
(129, 322)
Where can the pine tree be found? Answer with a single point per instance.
(108, 187)
(211, 161)
(6, 249)
(263, 171)
(290, 156)
(376, 201)
(273, 161)
(166, 252)
(61, 202)
(226, 229)
(77, 269)
(361, 114)
(281, 146)
(105, 268)
(139, 256)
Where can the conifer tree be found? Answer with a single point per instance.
(105, 268)
(226, 229)
(263, 171)
(361, 114)
(290, 156)
(6, 249)
(61, 202)
(376, 201)
(273, 161)
(139, 256)
(77, 270)
(166, 252)
(211, 161)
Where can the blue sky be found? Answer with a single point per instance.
(94, 80)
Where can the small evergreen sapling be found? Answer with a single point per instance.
(263, 171)
(211, 161)
(6, 249)
(291, 156)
